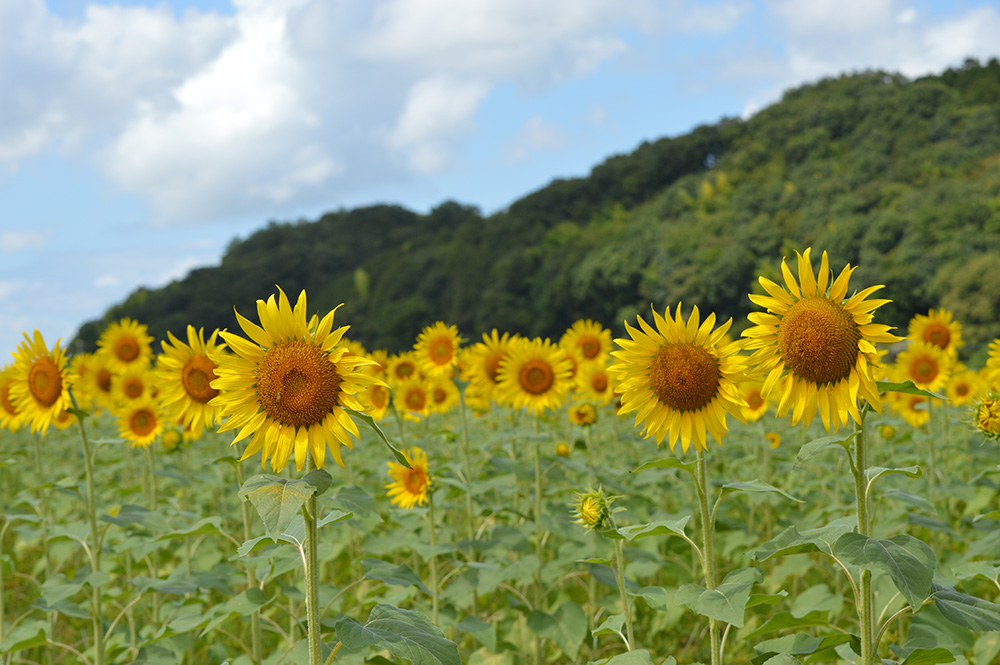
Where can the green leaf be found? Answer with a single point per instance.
(567, 627)
(207, 525)
(766, 598)
(243, 604)
(912, 499)
(659, 528)
(26, 635)
(395, 575)
(876, 472)
(929, 657)
(277, 500)
(655, 596)
(790, 541)
(907, 387)
(319, 479)
(611, 626)
(484, 632)
(727, 602)
(355, 500)
(816, 446)
(756, 485)
(368, 420)
(333, 517)
(785, 620)
(637, 657)
(965, 610)
(667, 463)
(910, 562)
(403, 633)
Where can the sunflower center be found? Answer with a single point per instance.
(684, 376)
(439, 395)
(493, 365)
(415, 480)
(197, 377)
(8, 406)
(104, 379)
(440, 350)
(404, 370)
(818, 340)
(923, 369)
(599, 382)
(962, 389)
(142, 422)
(536, 376)
(45, 381)
(132, 388)
(589, 346)
(415, 399)
(379, 396)
(755, 400)
(938, 335)
(297, 385)
(127, 348)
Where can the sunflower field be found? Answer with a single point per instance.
(821, 488)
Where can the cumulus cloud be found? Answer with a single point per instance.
(536, 135)
(16, 241)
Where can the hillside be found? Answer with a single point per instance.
(900, 177)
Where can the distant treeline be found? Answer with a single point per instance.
(899, 177)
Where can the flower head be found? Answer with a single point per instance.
(583, 414)
(409, 486)
(40, 390)
(126, 345)
(937, 328)
(592, 508)
(534, 375)
(436, 349)
(186, 371)
(988, 415)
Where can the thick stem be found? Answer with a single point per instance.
(620, 578)
(151, 471)
(866, 604)
(539, 541)
(467, 460)
(708, 552)
(313, 626)
(255, 635)
(433, 561)
(95, 549)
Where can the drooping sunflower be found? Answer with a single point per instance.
(815, 345)
(593, 508)
(436, 350)
(409, 486)
(927, 365)
(937, 327)
(594, 383)
(289, 387)
(757, 404)
(140, 422)
(40, 390)
(679, 379)
(186, 372)
(987, 413)
(535, 374)
(126, 344)
(10, 418)
(590, 339)
(583, 414)
(481, 362)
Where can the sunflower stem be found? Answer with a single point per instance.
(708, 552)
(95, 549)
(620, 578)
(467, 460)
(151, 471)
(539, 539)
(255, 635)
(866, 604)
(313, 627)
(433, 561)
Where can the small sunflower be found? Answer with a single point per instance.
(757, 404)
(40, 390)
(887, 432)
(412, 399)
(444, 394)
(171, 439)
(815, 345)
(289, 387)
(593, 508)
(436, 350)
(988, 416)
(928, 366)
(964, 386)
(938, 328)
(590, 339)
(402, 367)
(914, 409)
(679, 379)
(126, 344)
(409, 486)
(481, 362)
(96, 384)
(376, 399)
(534, 374)
(595, 384)
(583, 414)
(186, 371)
(10, 417)
(140, 422)
(562, 449)
(132, 385)
(774, 439)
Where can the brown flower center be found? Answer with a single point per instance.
(536, 376)
(45, 381)
(297, 385)
(8, 406)
(962, 389)
(599, 381)
(684, 376)
(415, 480)
(127, 348)
(104, 379)
(142, 422)
(937, 334)
(439, 395)
(197, 377)
(754, 399)
(415, 398)
(818, 340)
(133, 387)
(405, 369)
(379, 396)
(589, 346)
(440, 350)
(923, 369)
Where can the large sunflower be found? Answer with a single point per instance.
(815, 345)
(679, 379)
(535, 374)
(590, 339)
(409, 486)
(186, 372)
(436, 349)
(126, 344)
(10, 417)
(937, 327)
(481, 362)
(289, 386)
(40, 390)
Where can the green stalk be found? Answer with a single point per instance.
(95, 549)
(468, 491)
(620, 578)
(311, 514)
(255, 636)
(539, 534)
(708, 552)
(3, 532)
(151, 470)
(866, 606)
(433, 561)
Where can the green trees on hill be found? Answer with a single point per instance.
(899, 177)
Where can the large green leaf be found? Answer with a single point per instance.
(910, 562)
(756, 485)
(279, 500)
(907, 387)
(567, 627)
(658, 528)
(26, 635)
(727, 602)
(395, 575)
(816, 446)
(965, 610)
(791, 541)
(403, 633)
(929, 657)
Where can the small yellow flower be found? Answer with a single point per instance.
(774, 438)
(988, 416)
(436, 349)
(409, 486)
(887, 431)
(593, 508)
(562, 450)
(583, 414)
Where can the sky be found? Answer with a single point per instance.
(139, 138)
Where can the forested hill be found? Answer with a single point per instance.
(900, 177)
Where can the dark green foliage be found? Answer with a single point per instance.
(898, 177)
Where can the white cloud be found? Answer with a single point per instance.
(907, 16)
(536, 135)
(106, 281)
(17, 241)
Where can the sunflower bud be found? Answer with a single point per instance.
(583, 414)
(593, 508)
(562, 450)
(988, 416)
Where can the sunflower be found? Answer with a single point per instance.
(594, 383)
(757, 404)
(412, 399)
(444, 394)
(964, 386)
(132, 385)
(436, 350)
(376, 399)
(186, 372)
(10, 418)
(583, 414)
(914, 409)
(988, 416)
(289, 387)
(402, 367)
(126, 345)
(927, 365)
(82, 366)
(380, 368)
(939, 328)
(534, 375)
(679, 379)
(64, 420)
(140, 422)
(96, 383)
(590, 339)
(815, 346)
(481, 362)
(773, 439)
(991, 370)
(593, 508)
(40, 390)
(562, 449)
(409, 486)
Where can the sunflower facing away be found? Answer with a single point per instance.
(40, 390)
(679, 379)
(815, 345)
(186, 372)
(288, 386)
(988, 416)
(535, 374)
(126, 345)
(436, 350)
(939, 328)
(409, 486)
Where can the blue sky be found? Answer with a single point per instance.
(138, 138)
